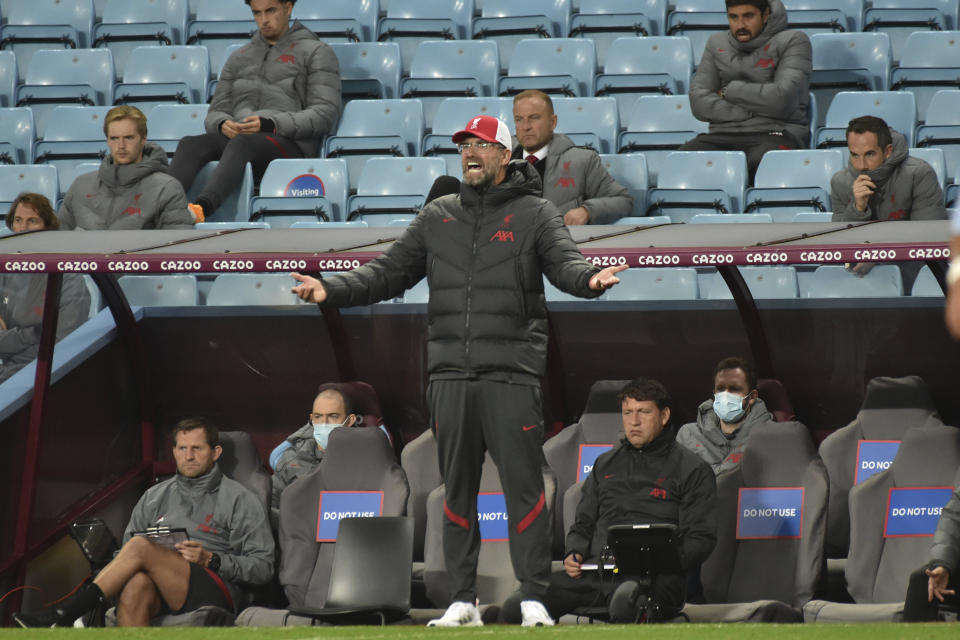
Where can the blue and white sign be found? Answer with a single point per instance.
(874, 456)
(306, 185)
(588, 455)
(914, 511)
(492, 515)
(336, 505)
(770, 513)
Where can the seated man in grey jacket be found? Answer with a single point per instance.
(725, 421)
(131, 189)
(937, 582)
(573, 177)
(276, 97)
(752, 84)
(230, 544)
(882, 182)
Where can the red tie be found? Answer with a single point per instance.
(532, 159)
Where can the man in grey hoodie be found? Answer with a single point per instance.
(277, 96)
(725, 421)
(132, 189)
(882, 182)
(752, 84)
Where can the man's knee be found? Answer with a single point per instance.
(140, 591)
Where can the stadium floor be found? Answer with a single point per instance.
(607, 632)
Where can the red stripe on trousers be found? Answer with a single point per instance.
(530, 517)
(454, 518)
(282, 151)
(223, 587)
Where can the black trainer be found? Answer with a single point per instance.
(49, 617)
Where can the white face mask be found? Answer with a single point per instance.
(728, 406)
(322, 430)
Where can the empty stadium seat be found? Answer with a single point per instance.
(900, 19)
(930, 63)
(157, 75)
(368, 70)
(698, 20)
(666, 283)
(170, 122)
(393, 187)
(231, 289)
(218, 25)
(848, 62)
(74, 136)
(936, 159)
(127, 25)
(942, 128)
(897, 108)
(370, 128)
(67, 173)
(926, 285)
(29, 26)
(629, 170)
(79, 77)
(9, 78)
(834, 281)
(604, 21)
(229, 226)
(792, 181)
(309, 189)
(340, 20)
(16, 147)
(443, 69)
(409, 22)
(17, 178)
(160, 291)
(824, 16)
(692, 182)
(508, 22)
(556, 66)
(657, 126)
(767, 282)
(589, 122)
(451, 116)
(637, 66)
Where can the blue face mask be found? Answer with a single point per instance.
(728, 406)
(322, 430)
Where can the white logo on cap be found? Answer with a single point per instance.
(475, 123)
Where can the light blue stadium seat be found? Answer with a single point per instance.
(67, 173)
(212, 85)
(638, 66)
(508, 22)
(236, 207)
(17, 178)
(731, 218)
(9, 78)
(29, 26)
(158, 75)
(556, 66)
(897, 108)
(657, 126)
(369, 70)
(308, 189)
(418, 293)
(833, 281)
(160, 290)
(603, 21)
(824, 16)
(333, 224)
(795, 180)
(764, 282)
(645, 221)
(901, 18)
(451, 116)
(79, 77)
(229, 226)
(698, 20)
(127, 25)
(942, 129)
(553, 294)
(443, 69)
(409, 22)
(16, 145)
(170, 122)
(930, 63)
(926, 285)
(339, 20)
(693, 182)
(667, 283)
(848, 62)
(218, 25)
(629, 170)
(589, 122)
(370, 128)
(392, 188)
(810, 216)
(935, 158)
(74, 136)
(234, 289)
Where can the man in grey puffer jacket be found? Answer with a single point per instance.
(132, 189)
(882, 182)
(276, 97)
(752, 84)
(937, 582)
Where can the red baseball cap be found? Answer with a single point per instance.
(486, 128)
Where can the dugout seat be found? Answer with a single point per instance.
(160, 290)
(420, 461)
(231, 289)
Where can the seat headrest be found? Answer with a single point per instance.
(356, 453)
(601, 428)
(603, 396)
(777, 454)
(929, 455)
(239, 456)
(908, 392)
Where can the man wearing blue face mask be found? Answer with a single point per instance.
(725, 421)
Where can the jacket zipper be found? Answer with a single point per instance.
(473, 262)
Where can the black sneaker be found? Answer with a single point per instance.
(44, 618)
(625, 603)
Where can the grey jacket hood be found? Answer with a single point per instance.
(881, 174)
(776, 23)
(125, 175)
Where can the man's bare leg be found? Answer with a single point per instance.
(167, 569)
(138, 602)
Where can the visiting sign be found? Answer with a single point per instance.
(588, 455)
(764, 513)
(337, 505)
(874, 456)
(492, 516)
(914, 511)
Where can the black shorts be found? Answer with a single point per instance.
(205, 588)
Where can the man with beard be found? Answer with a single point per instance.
(484, 252)
(752, 84)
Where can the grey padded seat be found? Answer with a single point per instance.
(420, 462)
(355, 460)
(890, 407)
(495, 578)
(879, 568)
(787, 570)
(600, 423)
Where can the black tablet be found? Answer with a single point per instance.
(645, 549)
